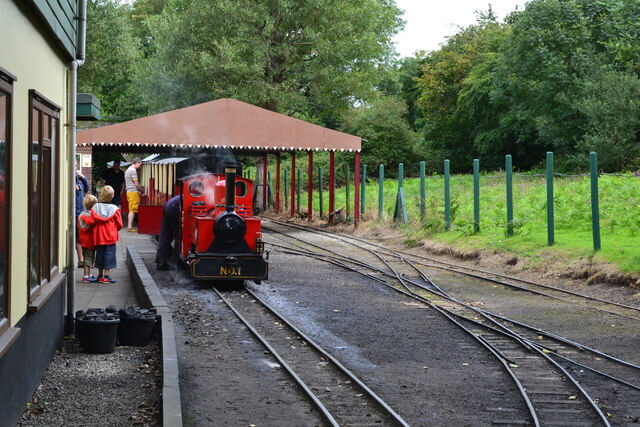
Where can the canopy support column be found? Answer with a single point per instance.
(277, 183)
(293, 185)
(265, 184)
(332, 181)
(310, 188)
(356, 201)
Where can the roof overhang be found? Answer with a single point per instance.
(223, 123)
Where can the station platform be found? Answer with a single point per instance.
(121, 293)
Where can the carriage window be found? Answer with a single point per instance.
(5, 140)
(196, 188)
(43, 192)
(241, 188)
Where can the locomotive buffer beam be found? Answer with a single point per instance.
(229, 267)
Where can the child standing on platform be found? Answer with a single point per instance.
(85, 238)
(106, 221)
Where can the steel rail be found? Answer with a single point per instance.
(502, 359)
(516, 337)
(499, 331)
(548, 334)
(450, 264)
(333, 360)
(314, 399)
(524, 325)
(510, 333)
(506, 332)
(503, 330)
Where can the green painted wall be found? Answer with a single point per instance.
(59, 16)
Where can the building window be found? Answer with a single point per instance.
(43, 192)
(6, 86)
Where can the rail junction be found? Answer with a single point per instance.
(370, 334)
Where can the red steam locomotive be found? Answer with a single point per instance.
(220, 237)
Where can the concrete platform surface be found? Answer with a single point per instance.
(121, 293)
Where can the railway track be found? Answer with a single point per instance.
(340, 396)
(551, 372)
(542, 289)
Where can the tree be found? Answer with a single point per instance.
(310, 58)
(448, 128)
(141, 12)
(562, 80)
(610, 101)
(389, 138)
(112, 52)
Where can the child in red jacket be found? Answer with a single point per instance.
(85, 238)
(106, 221)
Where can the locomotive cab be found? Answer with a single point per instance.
(221, 239)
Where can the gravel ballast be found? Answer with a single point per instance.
(120, 388)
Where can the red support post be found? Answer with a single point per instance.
(292, 200)
(356, 201)
(277, 183)
(310, 188)
(265, 184)
(332, 181)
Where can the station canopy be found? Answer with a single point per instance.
(223, 123)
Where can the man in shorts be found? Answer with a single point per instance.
(134, 190)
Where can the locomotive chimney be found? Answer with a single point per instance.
(230, 184)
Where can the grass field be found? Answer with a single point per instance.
(619, 215)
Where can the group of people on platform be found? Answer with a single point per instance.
(99, 219)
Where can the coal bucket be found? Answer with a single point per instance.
(136, 326)
(97, 331)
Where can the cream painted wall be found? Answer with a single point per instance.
(25, 53)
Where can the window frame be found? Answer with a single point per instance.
(37, 102)
(6, 85)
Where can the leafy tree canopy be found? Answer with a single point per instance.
(389, 138)
(310, 58)
(112, 52)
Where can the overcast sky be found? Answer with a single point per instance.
(428, 22)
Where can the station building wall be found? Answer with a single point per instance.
(31, 52)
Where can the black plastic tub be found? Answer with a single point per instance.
(97, 331)
(136, 326)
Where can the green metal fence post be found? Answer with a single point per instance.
(348, 181)
(363, 186)
(320, 189)
(286, 193)
(298, 190)
(423, 191)
(380, 190)
(447, 197)
(400, 211)
(550, 211)
(476, 195)
(595, 208)
(509, 170)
